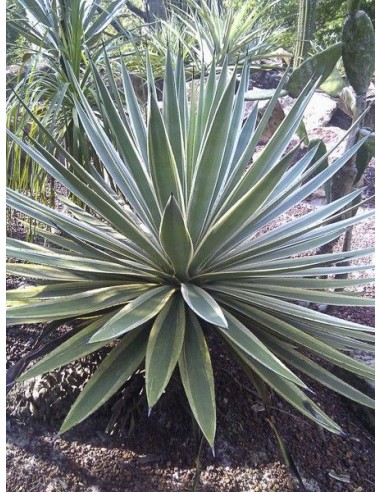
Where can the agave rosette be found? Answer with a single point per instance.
(179, 249)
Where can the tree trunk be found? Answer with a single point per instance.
(156, 9)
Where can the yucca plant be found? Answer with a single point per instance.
(204, 31)
(184, 248)
(226, 31)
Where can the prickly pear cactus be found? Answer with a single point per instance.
(319, 65)
(358, 48)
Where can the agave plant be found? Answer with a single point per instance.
(184, 248)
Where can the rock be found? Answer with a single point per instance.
(318, 112)
(13, 72)
(340, 119)
(267, 79)
(311, 485)
(347, 103)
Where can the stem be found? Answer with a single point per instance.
(305, 29)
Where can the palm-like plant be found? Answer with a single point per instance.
(59, 33)
(181, 249)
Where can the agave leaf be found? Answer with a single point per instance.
(284, 250)
(301, 283)
(236, 217)
(164, 347)
(113, 372)
(275, 147)
(295, 335)
(137, 312)
(203, 304)
(250, 137)
(293, 310)
(327, 271)
(285, 267)
(350, 332)
(207, 100)
(252, 345)
(196, 129)
(87, 301)
(316, 372)
(55, 257)
(114, 92)
(175, 238)
(309, 295)
(77, 186)
(247, 230)
(208, 164)
(277, 204)
(72, 349)
(162, 163)
(32, 292)
(233, 137)
(291, 393)
(286, 232)
(103, 192)
(136, 119)
(302, 192)
(340, 339)
(131, 156)
(173, 120)
(103, 20)
(83, 216)
(76, 246)
(223, 78)
(182, 97)
(197, 377)
(41, 272)
(243, 153)
(54, 218)
(121, 174)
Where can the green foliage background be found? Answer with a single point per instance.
(16, 44)
(330, 15)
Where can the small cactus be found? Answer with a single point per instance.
(314, 67)
(305, 29)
